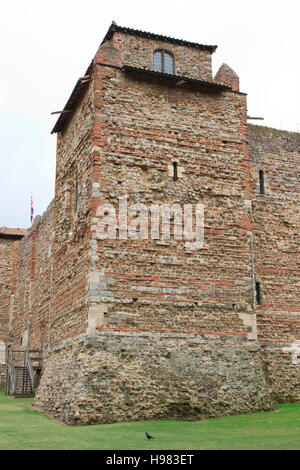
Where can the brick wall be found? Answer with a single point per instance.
(31, 287)
(276, 231)
(71, 243)
(276, 254)
(159, 285)
(5, 285)
(54, 256)
(8, 248)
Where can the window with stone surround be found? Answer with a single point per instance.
(175, 170)
(163, 61)
(258, 293)
(175, 175)
(261, 182)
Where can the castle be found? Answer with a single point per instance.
(135, 328)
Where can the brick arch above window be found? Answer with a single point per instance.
(163, 61)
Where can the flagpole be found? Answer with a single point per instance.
(31, 209)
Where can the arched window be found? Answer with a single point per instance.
(163, 61)
(261, 182)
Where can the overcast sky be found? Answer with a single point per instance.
(46, 45)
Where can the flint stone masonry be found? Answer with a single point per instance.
(141, 329)
(134, 377)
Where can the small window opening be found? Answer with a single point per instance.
(76, 195)
(175, 174)
(261, 182)
(258, 293)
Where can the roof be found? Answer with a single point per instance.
(76, 94)
(114, 28)
(175, 78)
(15, 233)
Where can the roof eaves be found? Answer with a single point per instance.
(176, 78)
(74, 98)
(13, 233)
(114, 28)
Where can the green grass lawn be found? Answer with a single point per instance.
(23, 428)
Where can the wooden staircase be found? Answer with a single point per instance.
(23, 372)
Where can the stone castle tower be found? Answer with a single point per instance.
(135, 328)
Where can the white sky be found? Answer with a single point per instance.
(46, 45)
